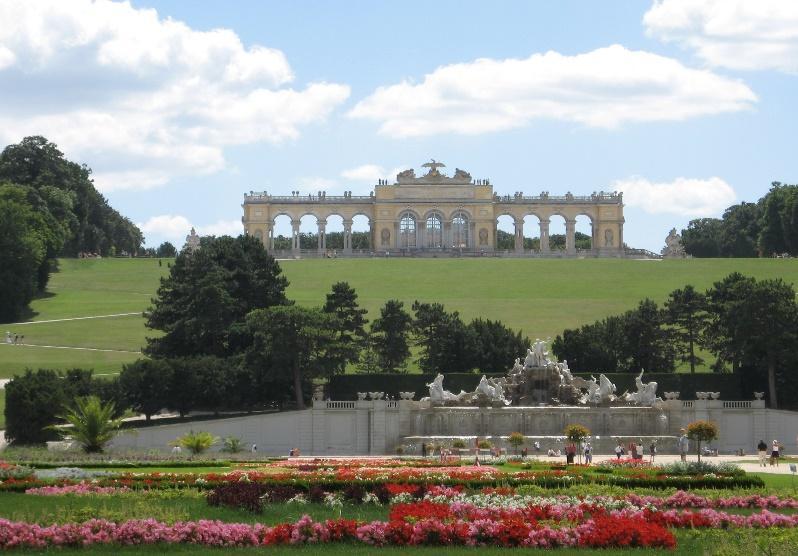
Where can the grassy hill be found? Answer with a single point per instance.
(540, 297)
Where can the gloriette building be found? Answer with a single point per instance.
(438, 214)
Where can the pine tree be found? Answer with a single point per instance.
(342, 303)
(685, 314)
(389, 337)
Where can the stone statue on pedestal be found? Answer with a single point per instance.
(646, 394)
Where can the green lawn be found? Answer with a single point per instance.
(539, 296)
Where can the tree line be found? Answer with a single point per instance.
(762, 229)
(49, 208)
(749, 325)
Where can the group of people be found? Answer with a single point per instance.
(635, 450)
(13, 339)
(775, 452)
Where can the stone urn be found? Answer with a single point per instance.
(715, 395)
(376, 395)
(407, 395)
(362, 395)
(759, 395)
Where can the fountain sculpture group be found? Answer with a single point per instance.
(542, 380)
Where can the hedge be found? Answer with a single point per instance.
(346, 387)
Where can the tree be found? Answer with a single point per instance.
(389, 335)
(166, 250)
(207, 295)
(342, 302)
(32, 401)
(145, 385)
(515, 440)
(648, 343)
(702, 431)
(685, 314)
(22, 253)
(597, 347)
(496, 345)
(447, 344)
(739, 231)
(702, 237)
(771, 236)
(577, 433)
(92, 423)
(723, 334)
(69, 194)
(299, 342)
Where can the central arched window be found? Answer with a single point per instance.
(407, 231)
(434, 230)
(460, 230)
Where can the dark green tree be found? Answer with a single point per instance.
(207, 295)
(739, 231)
(166, 250)
(686, 317)
(496, 345)
(389, 336)
(648, 343)
(598, 347)
(447, 343)
(144, 385)
(702, 237)
(294, 342)
(772, 238)
(723, 333)
(342, 302)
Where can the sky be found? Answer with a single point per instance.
(180, 107)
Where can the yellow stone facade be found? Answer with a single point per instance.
(435, 213)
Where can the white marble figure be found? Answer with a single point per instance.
(606, 389)
(438, 395)
(518, 368)
(537, 356)
(566, 378)
(646, 394)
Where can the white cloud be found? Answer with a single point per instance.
(141, 98)
(370, 173)
(175, 228)
(683, 196)
(737, 34)
(603, 88)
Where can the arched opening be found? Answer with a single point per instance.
(557, 232)
(531, 233)
(460, 223)
(434, 231)
(505, 233)
(308, 232)
(361, 232)
(334, 234)
(258, 234)
(407, 231)
(281, 233)
(583, 236)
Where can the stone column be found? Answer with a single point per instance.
(570, 239)
(322, 240)
(295, 236)
(446, 234)
(267, 234)
(544, 236)
(421, 231)
(620, 237)
(519, 235)
(348, 237)
(397, 241)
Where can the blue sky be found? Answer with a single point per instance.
(686, 106)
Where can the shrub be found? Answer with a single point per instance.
(459, 444)
(197, 442)
(484, 445)
(577, 433)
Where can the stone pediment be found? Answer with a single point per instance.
(433, 176)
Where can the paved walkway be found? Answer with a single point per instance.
(71, 347)
(73, 318)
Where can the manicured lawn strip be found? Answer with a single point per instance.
(540, 297)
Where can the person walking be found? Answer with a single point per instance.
(652, 451)
(618, 451)
(588, 453)
(762, 450)
(682, 445)
(774, 454)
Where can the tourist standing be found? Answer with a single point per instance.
(762, 449)
(423, 449)
(652, 451)
(633, 449)
(682, 445)
(618, 451)
(588, 453)
(774, 454)
(570, 452)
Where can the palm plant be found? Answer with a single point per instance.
(197, 442)
(92, 423)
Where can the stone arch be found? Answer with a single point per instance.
(433, 229)
(461, 234)
(530, 236)
(558, 228)
(334, 232)
(505, 231)
(362, 231)
(282, 232)
(584, 223)
(407, 229)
